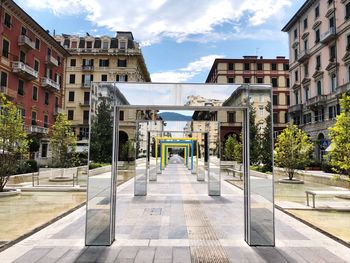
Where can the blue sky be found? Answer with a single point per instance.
(180, 39)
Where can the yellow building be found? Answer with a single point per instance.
(97, 59)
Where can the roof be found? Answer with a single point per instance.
(30, 20)
(302, 10)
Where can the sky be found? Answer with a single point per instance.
(180, 39)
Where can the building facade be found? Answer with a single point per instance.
(99, 59)
(31, 68)
(319, 47)
(254, 70)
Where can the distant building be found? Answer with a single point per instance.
(31, 68)
(319, 47)
(99, 59)
(254, 70)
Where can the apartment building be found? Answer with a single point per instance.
(31, 72)
(319, 47)
(98, 59)
(258, 70)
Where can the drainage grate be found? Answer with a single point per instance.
(152, 211)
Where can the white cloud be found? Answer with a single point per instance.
(153, 20)
(185, 74)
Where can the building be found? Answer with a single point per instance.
(99, 59)
(254, 70)
(31, 68)
(319, 47)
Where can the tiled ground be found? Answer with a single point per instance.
(177, 222)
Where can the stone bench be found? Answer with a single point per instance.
(237, 168)
(322, 193)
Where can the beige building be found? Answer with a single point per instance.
(319, 47)
(98, 59)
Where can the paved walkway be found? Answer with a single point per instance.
(177, 222)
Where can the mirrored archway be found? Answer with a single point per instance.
(134, 108)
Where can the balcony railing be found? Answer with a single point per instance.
(343, 88)
(87, 68)
(87, 84)
(25, 42)
(295, 108)
(328, 36)
(303, 55)
(46, 82)
(57, 110)
(50, 60)
(8, 92)
(318, 100)
(38, 129)
(85, 103)
(24, 70)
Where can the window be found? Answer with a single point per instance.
(286, 67)
(347, 10)
(306, 93)
(296, 75)
(35, 93)
(331, 112)
(122, 78)
(274, 82)
(317, 36)
(121, 115)
(5, 48)
(332, 53)
(305, 23)
(275, 99)
(333, 82)
(348, 42)
(317, 12)
(44, 148)
(70, 115)
(231, 80)
(318, 62)
(46, 121)
(306, 45)
(86, 116)
(88, 44)
(122, 45)
(104, 77)
(86, 97)
(20, 90)
(121, 62)
(330, 1)
(260, 80)
(87, 79)
(47, 98)
(3, 79)
(296, 94)
(105, 45)
(22, 56)
(273, 66)
(295, 34)
(306, 70)
(295, 54)
(71, 96)
(287, 82)
(74, 44)
(33, 118)
(73, 62)
(231, 117)
(260, 66)
(331, 22)
(246, 66)
(37, 43)
(319, 88)
(72, 79)
(246, 80)
(104, 62)
(261, 111)
(7, 20)
(23, 31)
(36, 65)
(275, 117)
(88, 62)
(230, 66)
(288, 99)
(49, 51)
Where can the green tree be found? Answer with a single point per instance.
(128, 151)
(233, 149)
(340, 137)
(253, 136)
(13, 140)
(266, 141)
(292, 149)
(63, 142)
(101, 139)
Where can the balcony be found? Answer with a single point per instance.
(87, 84)
(295, 108)
(85, 103)
(25, 42)
(87, 68)
(38, 129)
(303, 55)
(57, 110)
(8, 92)
(317, 101)
(343, 88)
(328, 36)
(49, 83)
(51, 61)
(24, 71)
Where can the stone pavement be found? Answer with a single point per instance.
(177, 222)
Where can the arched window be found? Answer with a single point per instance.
(319, 87)
(334, 82)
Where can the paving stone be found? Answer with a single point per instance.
(33, 255)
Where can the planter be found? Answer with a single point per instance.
(10, 192)
(287, 181)
(61, 179)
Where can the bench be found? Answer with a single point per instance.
(237, 168)
(324, 193)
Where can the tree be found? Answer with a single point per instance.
(292, 149)
(101, 140)
(233, 149)
(340, 137)
(266, 141)
(128, 151)
(63, 142)
(253, 136)
(13, 140)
